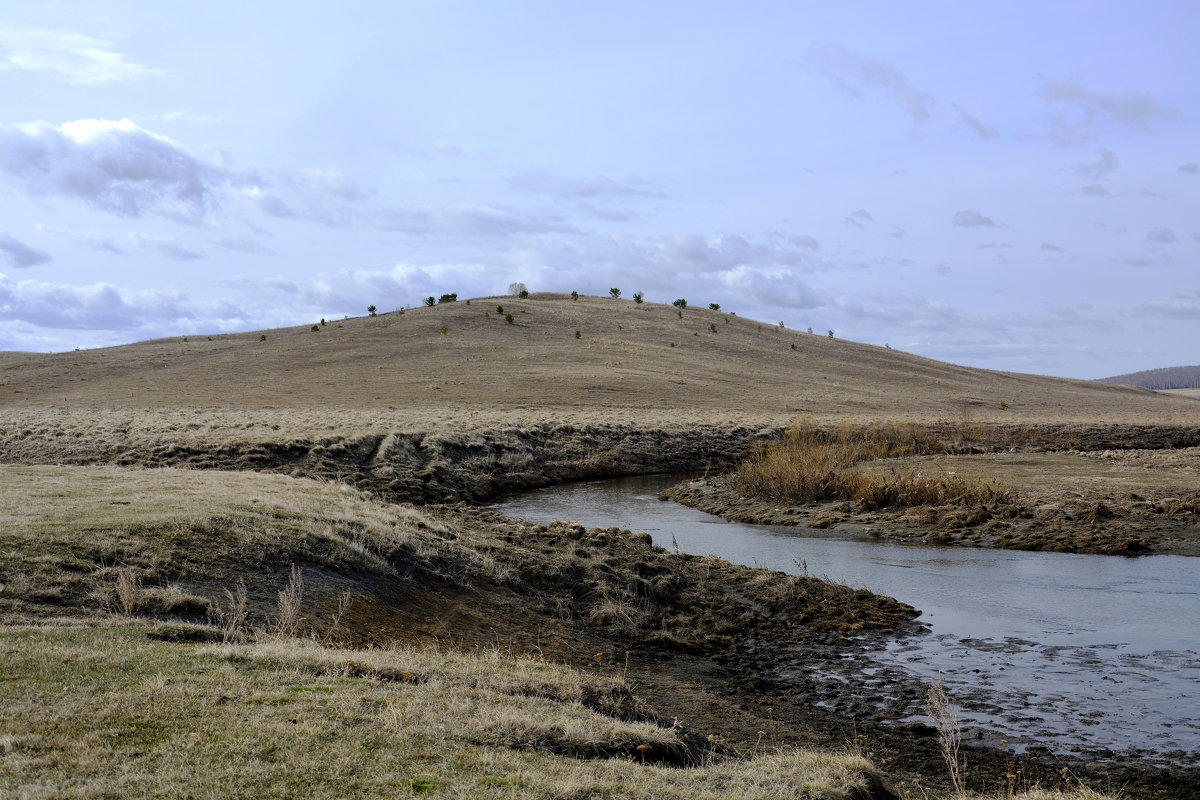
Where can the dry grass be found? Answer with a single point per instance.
(92, 713)
(809, 465)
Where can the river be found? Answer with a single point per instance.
(1088, 653)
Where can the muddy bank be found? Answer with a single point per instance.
(1069, 523)
(447, 464)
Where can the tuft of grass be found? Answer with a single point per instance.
(809, 465)
(129, 590)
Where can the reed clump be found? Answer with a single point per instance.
(811, 465)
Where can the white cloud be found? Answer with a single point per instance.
(74, 57)
(1161, 236)
(1078, 112)
(859, 217)
(115, 166)
(1101, 169)
(541, 181)
(970, 218)
(470, 221)
(853, 73)
(21, 255)
(100, 306)
(981, 130)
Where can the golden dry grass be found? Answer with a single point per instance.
(119, 712)
(399, 372)
(808, 465)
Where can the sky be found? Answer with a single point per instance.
(1013, 186)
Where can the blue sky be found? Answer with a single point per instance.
(1013, 186)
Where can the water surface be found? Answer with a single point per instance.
(1089, 651)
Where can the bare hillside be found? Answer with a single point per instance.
(464, 357)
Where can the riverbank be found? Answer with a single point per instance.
(1110, 502)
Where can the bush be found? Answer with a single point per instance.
(429, 301)
(499, 309)
(371, 310)
(680, 303)
(574, 295)
(578, 334)
(830, 334)
(262, 337)
(615, 292)
(715, 306)
(712, 327)
(315, 328)
(523, 294)
(448, 298)
(638, 297)
(508, 318)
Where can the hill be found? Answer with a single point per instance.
(1162, 378)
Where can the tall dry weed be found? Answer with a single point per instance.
(289, 604)
(129, 590)
(945, 719)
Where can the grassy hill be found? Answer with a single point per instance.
(1163, 378)
(164, 500)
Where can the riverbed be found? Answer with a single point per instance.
(1070, 652)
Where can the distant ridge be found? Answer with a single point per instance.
(1163, 378)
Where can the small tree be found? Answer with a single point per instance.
(831, 334)
(448, 298)
(615, 292)
(499, 309)
(508, 318)
(574, 295)
(429, 301)
(518, 288)
(715, 306)
(810, 328)
(680, 303)
(371, 310)
(639, 297)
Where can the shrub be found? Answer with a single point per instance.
(448, 298)
(679, 314)
(638, 297)
(615, 292)
(508, 318)
(574, 295)
(810, 328)
(715, 306)
(523, 294)
(445, 330)
(781, 325)
(793, 345)
(315, 328)
(831, 334)
(499, 309)
(371, 310)
(429, 301)
(680, 303)
(712, 327)
(578, 334)
(262, 337)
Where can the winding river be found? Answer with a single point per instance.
(1090, 653)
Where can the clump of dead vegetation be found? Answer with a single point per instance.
(811, 465)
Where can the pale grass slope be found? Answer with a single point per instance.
(461, 364)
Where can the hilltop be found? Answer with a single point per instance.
(1162, 378)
